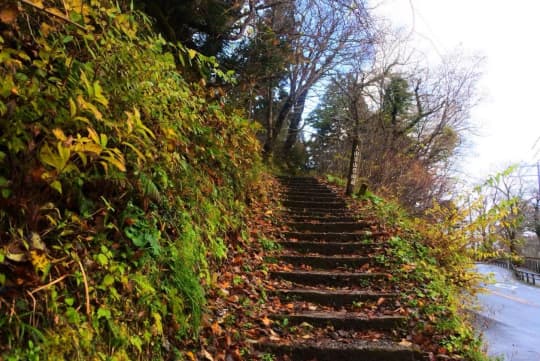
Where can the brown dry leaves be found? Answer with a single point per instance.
(9, 10)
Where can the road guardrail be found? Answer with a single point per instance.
(525, 274)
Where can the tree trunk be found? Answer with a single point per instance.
(270, 114)
(271, 138)
(296, 118)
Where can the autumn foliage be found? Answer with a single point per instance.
(121, 183)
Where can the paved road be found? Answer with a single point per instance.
(511, 317)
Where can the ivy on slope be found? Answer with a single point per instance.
(121, 184)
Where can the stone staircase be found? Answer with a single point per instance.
(331, 282)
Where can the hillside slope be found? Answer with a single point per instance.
(122, 182)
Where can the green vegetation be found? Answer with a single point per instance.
(429, 260)
(121, 183)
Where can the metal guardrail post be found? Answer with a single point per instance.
(533, 264)
(523, 275)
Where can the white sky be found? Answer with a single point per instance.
(507, 33)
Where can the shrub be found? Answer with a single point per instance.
(120, 183)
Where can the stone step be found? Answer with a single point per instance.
(330, 236)
(325, 262)
(306, 191)
(343, 320)
(335, 350)
(312, 197)
(331, 248)
(308, 188)
(317, 213)
(325, 235)
(288, 179)
(299, 180)
(288, 176)
(313, 204)
(301, 185)
(318, 219)
(334, 298)
(334, 279)
(328, 227)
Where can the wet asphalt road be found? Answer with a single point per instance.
(510, 319)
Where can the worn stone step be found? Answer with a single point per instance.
(299, 180)
(330, 236)
(304, 191)
(312, 197)
(335, 350)
(288, 179)
(300, 184)
(330, 210)
(325, 262)
(289, 176)
(307, 191)
(319, 219)
(331, 248)
(343, 320)
(313, 204)
(327, 193)
(308, 188)
(328, 227)
(334, 279)
(317, 213)
(334, 298)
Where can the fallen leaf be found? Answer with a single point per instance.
(405, 343)
(408, 267)
(207, 355)
(9, 12)
(442, 351)
(266, 321)
(364, 267)
(274, 336)
(290, 306)
(418, 339)
(216, 329)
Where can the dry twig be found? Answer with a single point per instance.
(86, 292)
(52, 13)
(48, 284)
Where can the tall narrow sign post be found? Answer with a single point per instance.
(353, 168)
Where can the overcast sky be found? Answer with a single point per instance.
(508, 35)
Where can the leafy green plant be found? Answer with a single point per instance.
(336, 180)
(267, 357)
(269, 244)
(122, 180)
